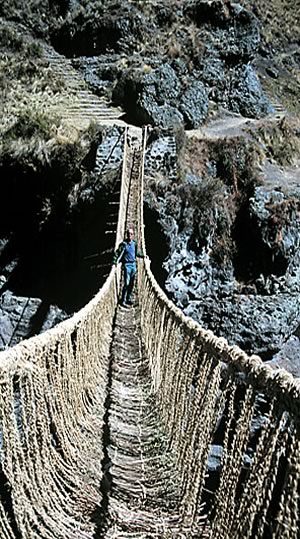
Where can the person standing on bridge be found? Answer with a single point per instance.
(127, 253)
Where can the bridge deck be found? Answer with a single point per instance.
(143, 495)
(142, 490)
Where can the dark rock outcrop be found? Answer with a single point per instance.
(234, 250)
(261, 309)
(101, 28)
(288, 357)
(22, 317)
(245, 94)
(150, 98)
(235, 31)
(50, 265)
(194, 105)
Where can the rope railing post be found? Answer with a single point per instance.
(140, 216)
(141, 193)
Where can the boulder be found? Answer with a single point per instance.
(150, 98)
(212, 71)
(166, 84)
(234, 29)
(240, 39)
(194, 105)
(245, 93)
(258, 324)
(157, 97)
(20, 318)
(288, 357)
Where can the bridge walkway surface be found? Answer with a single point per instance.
(143, 496)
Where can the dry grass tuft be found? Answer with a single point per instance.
(280, 140)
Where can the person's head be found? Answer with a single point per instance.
(129, 234)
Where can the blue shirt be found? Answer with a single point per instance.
(129, 255)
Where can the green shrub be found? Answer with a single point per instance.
(281, 140)
(10, 39)
(34, 50)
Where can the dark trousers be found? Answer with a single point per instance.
(129, 275)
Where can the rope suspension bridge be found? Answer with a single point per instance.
(108, 420)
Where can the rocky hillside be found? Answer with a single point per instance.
(277, 62)
(218, 82)
(228, 210)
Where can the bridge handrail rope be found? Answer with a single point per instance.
(52, 392)
(201, 382)
(9, 358)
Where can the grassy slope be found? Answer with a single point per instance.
(30, 94)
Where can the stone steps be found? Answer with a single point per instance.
(278, 108)
(82, 104)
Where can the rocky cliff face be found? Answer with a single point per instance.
(230, 218)
(54, 249)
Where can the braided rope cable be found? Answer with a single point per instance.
(287, 519)
(237, 431)
(52, 393)
(253, 495)
(182, 352)
(6, 530)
